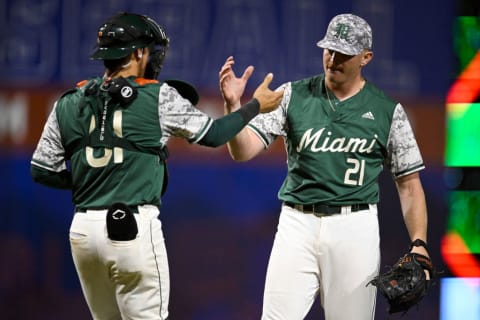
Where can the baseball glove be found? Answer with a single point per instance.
(405, 284)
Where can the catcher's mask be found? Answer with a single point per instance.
(124, 33)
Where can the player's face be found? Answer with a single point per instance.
(341, 68)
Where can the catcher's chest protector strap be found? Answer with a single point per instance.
(93, 96)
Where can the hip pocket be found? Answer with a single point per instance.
(121, 223)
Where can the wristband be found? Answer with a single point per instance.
(249, 110)
(418, 243)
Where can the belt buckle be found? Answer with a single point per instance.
(320, 211)
(298, 207)
(319, 214)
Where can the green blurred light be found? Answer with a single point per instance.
(466, 39)
(463, 135)
(464, 217)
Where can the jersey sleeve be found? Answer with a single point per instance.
(179, 118)
(403, 154)
(267, 126)
(50, 153)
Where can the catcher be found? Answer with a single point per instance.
(106, 140)
(407, 282)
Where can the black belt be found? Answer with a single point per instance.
(134, 209)
(322, 209)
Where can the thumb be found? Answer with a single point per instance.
(267, 80)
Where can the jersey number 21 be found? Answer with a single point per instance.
(354, 174)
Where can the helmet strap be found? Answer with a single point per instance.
(126, 64)
(154, 65)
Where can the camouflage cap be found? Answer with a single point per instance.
(348, 34)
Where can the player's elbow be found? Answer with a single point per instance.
(59, 180)
(240, 156)
(36, 173)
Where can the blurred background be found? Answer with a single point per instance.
(220, 217)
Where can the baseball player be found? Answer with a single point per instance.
(339, 132)
(112, 131)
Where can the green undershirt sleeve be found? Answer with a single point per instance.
(227, 127)
(59, 180)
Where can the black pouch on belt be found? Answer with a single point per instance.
(121, 223)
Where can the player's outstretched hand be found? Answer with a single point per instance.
(269, 100)
(231, 86)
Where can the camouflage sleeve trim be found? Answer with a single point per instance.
(179, 118)
(262, 137)
(410, 171)
(41, 164)
(50, 153)
(403, 154)
(199, 136)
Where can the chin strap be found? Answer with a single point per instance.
(155, 63)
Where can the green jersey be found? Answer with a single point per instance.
(117, 162)
(337, 149)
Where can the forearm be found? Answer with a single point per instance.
(245, 145)
(415, 216)
(59, 180)
(414, 208)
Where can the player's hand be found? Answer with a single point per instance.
(231, 86)
(269, 100)
(421, 250)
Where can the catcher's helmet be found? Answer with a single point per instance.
(126, 32)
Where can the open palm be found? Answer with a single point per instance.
(231, 86)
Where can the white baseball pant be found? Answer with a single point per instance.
(126, 280)
(334, 256)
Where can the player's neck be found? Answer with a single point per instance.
(130, 69)
(347, 89)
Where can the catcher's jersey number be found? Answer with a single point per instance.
(102, 161)
(354, 174)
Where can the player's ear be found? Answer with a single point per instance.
(138, 53)
(367, 56)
